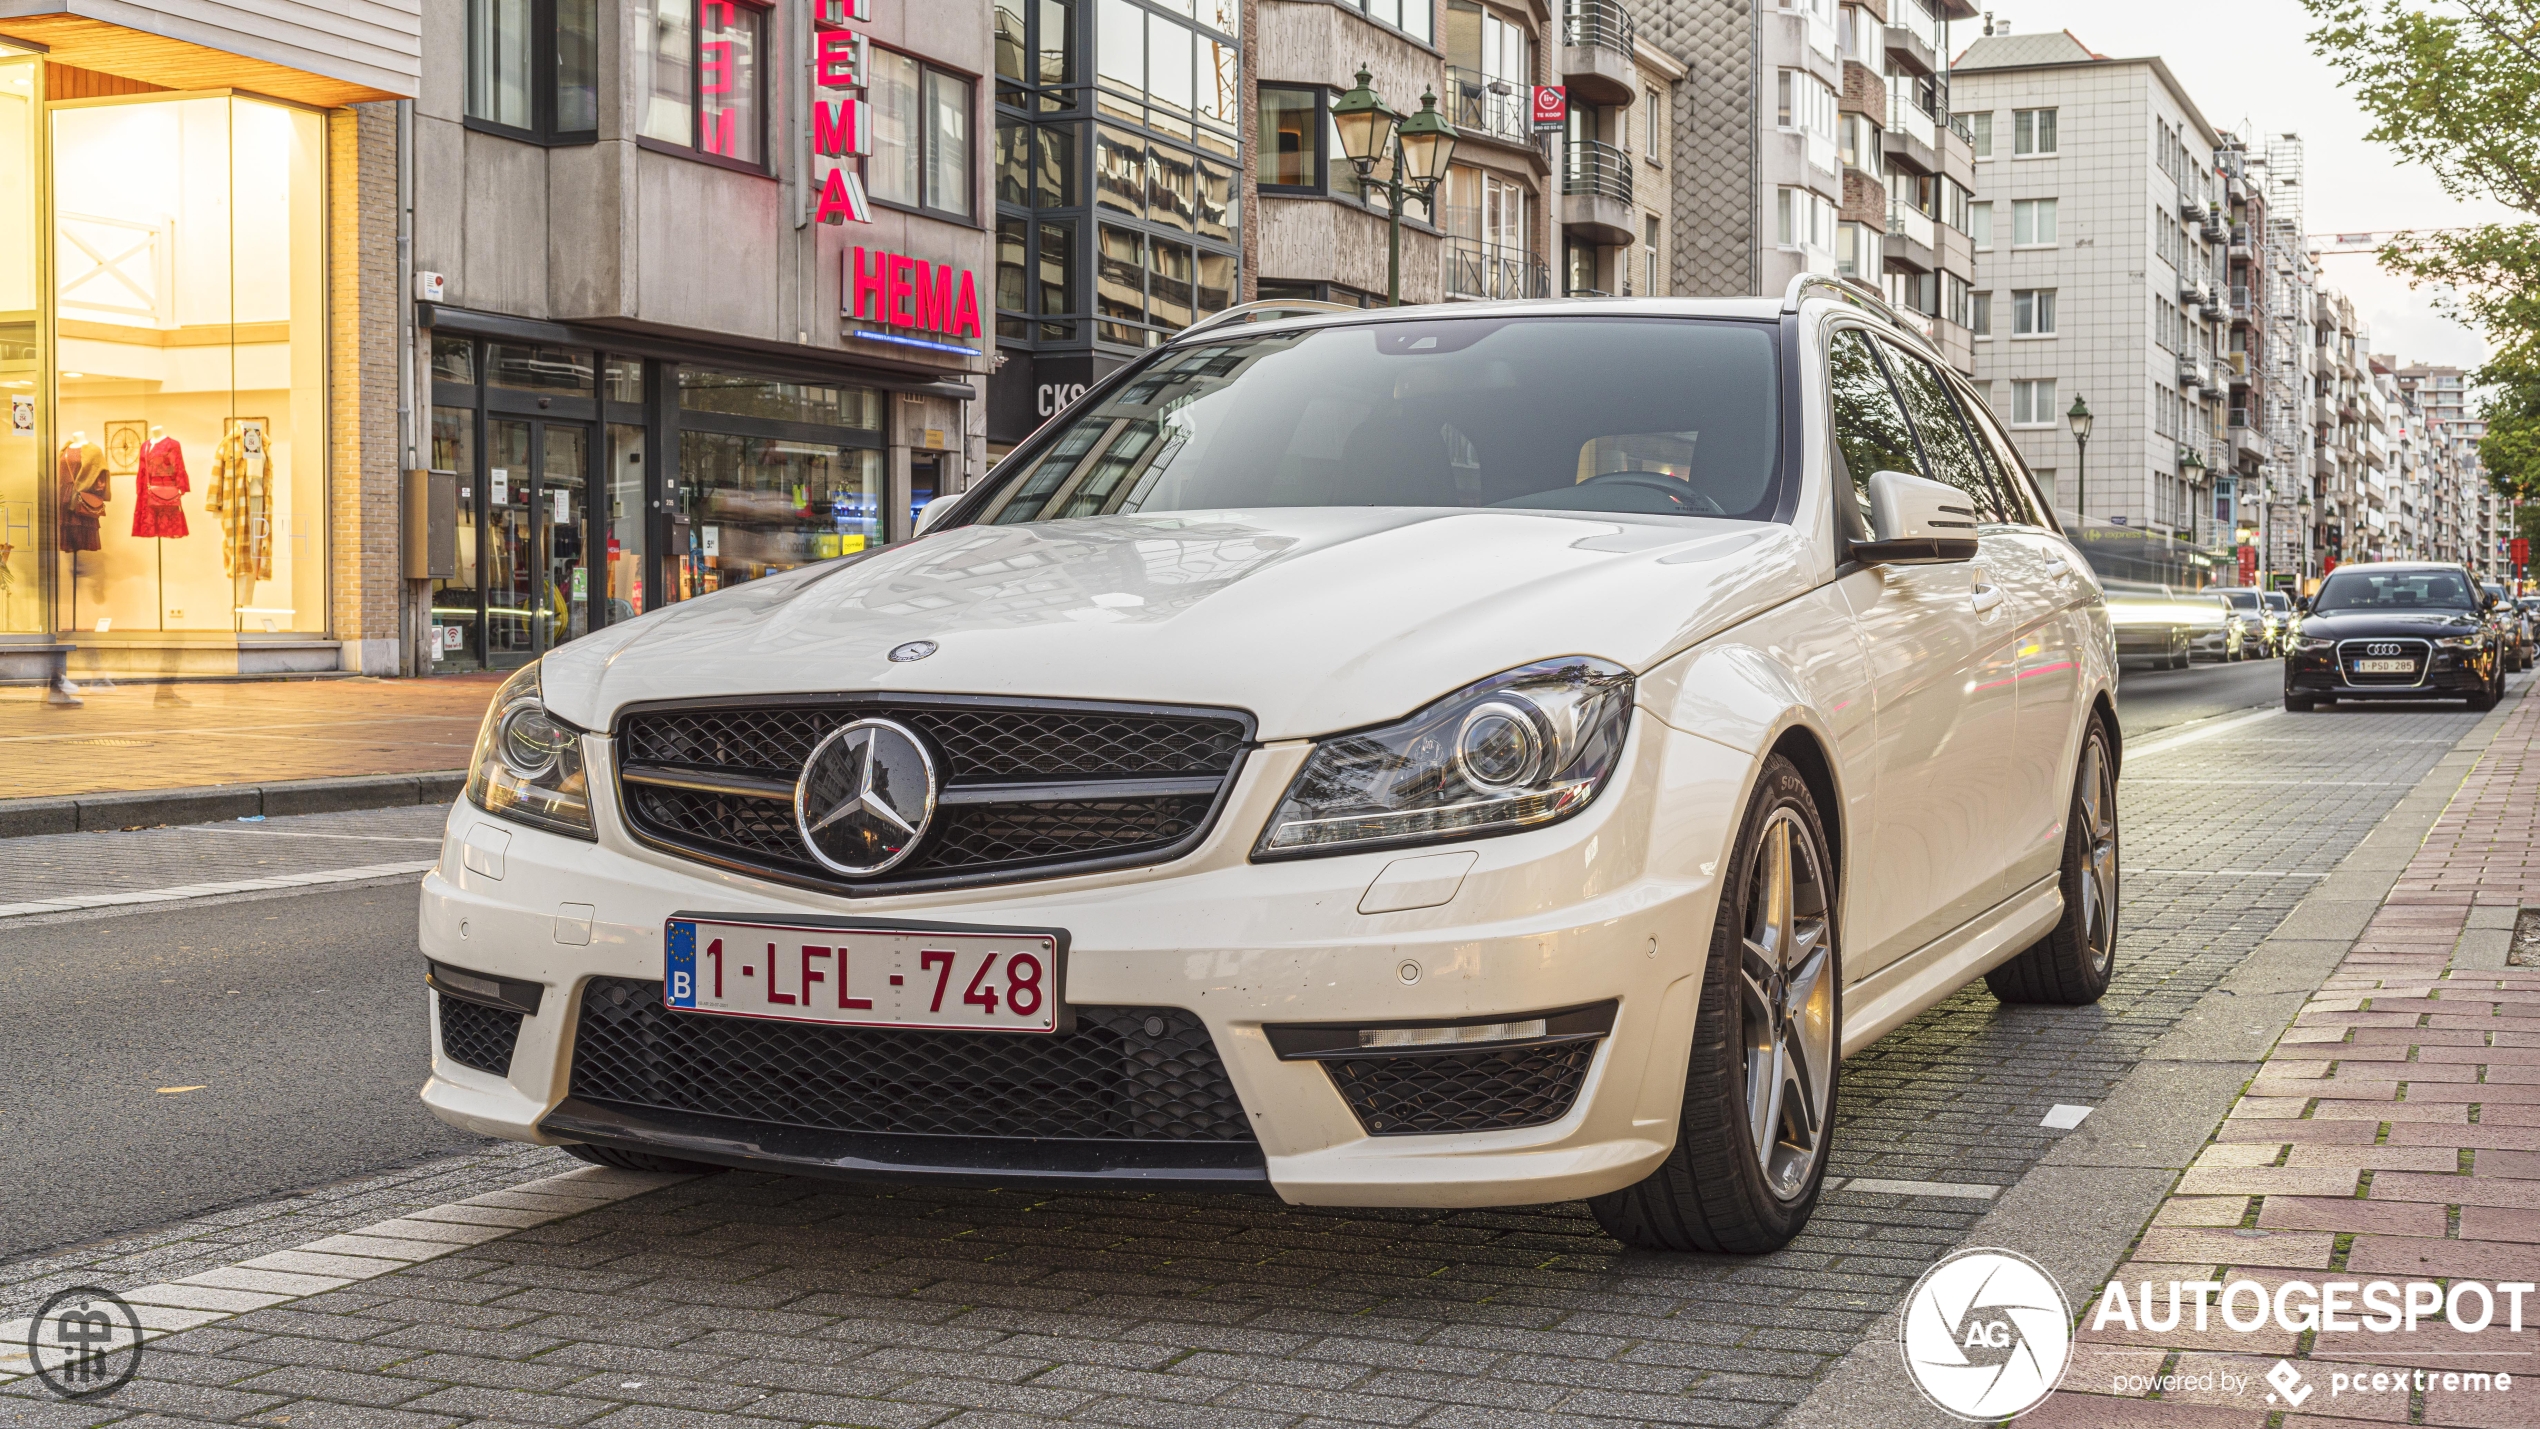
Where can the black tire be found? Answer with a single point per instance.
(2299, 704)
(1713, 1193)
(623, 1160)
(2484, 700)
(2071, 966)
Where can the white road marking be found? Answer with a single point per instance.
(1876, 1187)
(2201, 730)
(2063, 1116)
(335, 1261)
(183, 891)
(299, 834)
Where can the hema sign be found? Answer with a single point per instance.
(898, 291)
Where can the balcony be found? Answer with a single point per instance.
(1482, 108)
(1908, 120)
(2240, 242)
(1596, 52)
(1910, 52)
(1475, 269)
(1920, 232)
(1596, 193)
(2243, 304)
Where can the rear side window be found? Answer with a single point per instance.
(1870, 431)
(1946, 444)
(1995, 443)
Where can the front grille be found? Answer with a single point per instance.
(2420, 654)
(1463, 1091)
(1124, 1073)
(479, 1037)
(1076, 813)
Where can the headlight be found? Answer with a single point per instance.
(2314, 644)
(1518, 750)
(2461, 642)
(528, 763)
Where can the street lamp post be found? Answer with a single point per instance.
(2079, 418)
(1413, 153)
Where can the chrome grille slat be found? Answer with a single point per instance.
(1033, 788)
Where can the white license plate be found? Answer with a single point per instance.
(2385, 667)
(986, 981)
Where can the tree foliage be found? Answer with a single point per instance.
(2454, 85)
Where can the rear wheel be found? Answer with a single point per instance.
(1758, 1115)
(623, 1160)
(2071, 965)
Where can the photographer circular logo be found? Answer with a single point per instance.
(85, 1343)
(1986, 1334)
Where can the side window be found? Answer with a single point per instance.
(1945, 440)
(1870, 433)
(2028, 508)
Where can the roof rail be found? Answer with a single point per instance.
(1850, 290)
(1266, 310)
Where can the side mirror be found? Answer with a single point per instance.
(1917, 521)
(931, 512)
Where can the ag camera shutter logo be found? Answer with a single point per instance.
(1986, 1334)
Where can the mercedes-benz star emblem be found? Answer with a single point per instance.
(865, 797)
(913, 650)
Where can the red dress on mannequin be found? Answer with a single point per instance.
(158, 506)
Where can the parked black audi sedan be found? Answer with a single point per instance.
(2395, 630)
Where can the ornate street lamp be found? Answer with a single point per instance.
(2079, 419)
(1403, 159)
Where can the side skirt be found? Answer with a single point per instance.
(1888, 998)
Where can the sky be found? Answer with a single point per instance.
(2250, 69)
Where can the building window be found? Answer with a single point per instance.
(921, 136)
(1857, 249)
(1808, 106)
(2033, 223)
(1807, 219)
(2032, 401)
(1858, 142)
(704, 83)
(1653, 126)
(1288, 151)
(2032, 312)
(1980, 314)
(1957, 303)
(1980, 224)
(510, 44)
(1981, 126)
(1409, 16)
(1652, 286)
(2032, 131)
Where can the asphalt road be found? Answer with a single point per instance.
(2156, 699)
(300, 1019)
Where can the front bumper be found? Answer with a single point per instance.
(2454, 675)
(1613, 905)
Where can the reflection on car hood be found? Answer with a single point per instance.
(2359, 624)
(1315, 619)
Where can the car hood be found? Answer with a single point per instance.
(1314, 619)
(2360, 624)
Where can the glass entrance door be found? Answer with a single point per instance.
(533, 501)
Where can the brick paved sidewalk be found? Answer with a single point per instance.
(2393, 1134)
(174, 736)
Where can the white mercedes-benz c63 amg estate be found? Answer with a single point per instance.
(1472, 756)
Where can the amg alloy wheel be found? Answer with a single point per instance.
(2071, 965)
(1760, 1088)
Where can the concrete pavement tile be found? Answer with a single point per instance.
(2158, 1116)
(2500, 1223)
(202, 1297)
(2347, 1213)
(476, 1401)
(2291, 1249)
(2432, 1257)
(2202, 1211)
(2267, 1181)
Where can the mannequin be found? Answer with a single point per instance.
(85, 491)
(241, 495)
(158, 499)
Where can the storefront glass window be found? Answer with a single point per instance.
(626, 512)
(624, 379)
(454, 598)
(453, 360)
(538, 369)
(189, 272)
(754, 506)
(744, 394)
(21, 376)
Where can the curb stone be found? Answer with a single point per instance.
(89, 813)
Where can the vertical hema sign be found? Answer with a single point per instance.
(841, 120)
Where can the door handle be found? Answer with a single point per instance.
(1984, 598)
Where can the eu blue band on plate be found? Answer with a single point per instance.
(679, 965)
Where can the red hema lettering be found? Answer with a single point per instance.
(842, 200)
(867, 283)
(839, 61)
(841, 127)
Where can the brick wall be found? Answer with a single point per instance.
(1864, 92)
(362, 479)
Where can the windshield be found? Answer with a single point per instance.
(2396, 590)
(2245, 599)
(1646, 416)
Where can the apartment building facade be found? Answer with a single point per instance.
(2482, 521)
(2098, 252)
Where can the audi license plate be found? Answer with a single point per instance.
(983, 981)
(2385, 667)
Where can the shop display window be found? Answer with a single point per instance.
(22, 444)
(189, 426)
(754, 506)
(744, 394)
